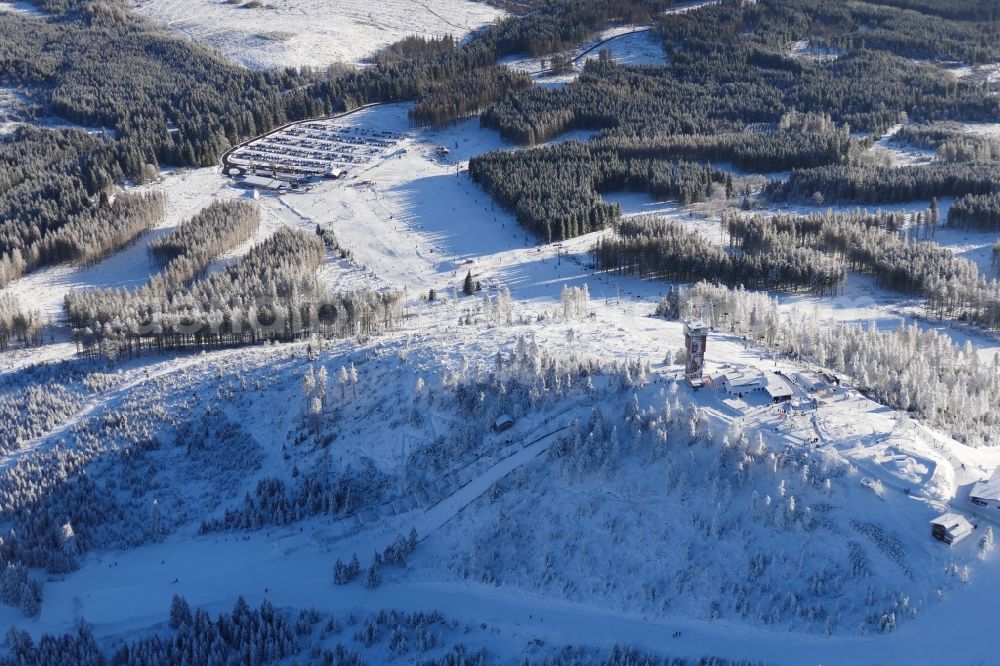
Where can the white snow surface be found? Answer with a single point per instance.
(413, 219)
(291, 33)
(901, 155)
(803, 50)
(978, 73)
(24, 8)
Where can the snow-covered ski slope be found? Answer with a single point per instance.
(291, 33)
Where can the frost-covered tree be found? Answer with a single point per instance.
(187, 251)
(309, 382)
(19, 589)
(343, 379)
(180, 612)
(345, 573)
(373, 578)
(322, 380)
(23, 326)
(574, 301)
(270, 294)
(156, 526)
(907, 368)
(986, 542)
(353, 377)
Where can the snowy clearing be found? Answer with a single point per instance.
(24, 8)
(887, 152)
(985, 129)
(803, 50)
(978, 73)
(187, 191)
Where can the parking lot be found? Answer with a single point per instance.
(315, 148)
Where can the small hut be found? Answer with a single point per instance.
(950, 528)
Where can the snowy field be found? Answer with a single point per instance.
(983, 129)
(290, 33)
(188, 191)
(886, 151)
(635, 48)
(976, 246)
(11, 109)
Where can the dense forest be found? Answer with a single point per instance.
(186, 252)
(47, 175)
(928, 135)
(557, 25)
(953, 286)
(270, 635)
(444, 102)
(799, 140)
(951, 142)
(790, 253)
(160, 99)
(729, 67)
(974, 211)
(733, 93)
(170, 100)
(955, 10)
(88, 236)
(272, 502)
(554, 191)
(655, 248)
(58, 202)
(23, 326)
(921, 33)
(865, 184)
(165, 100)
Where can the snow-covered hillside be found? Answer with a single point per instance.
(290, 33)
(683, 506)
